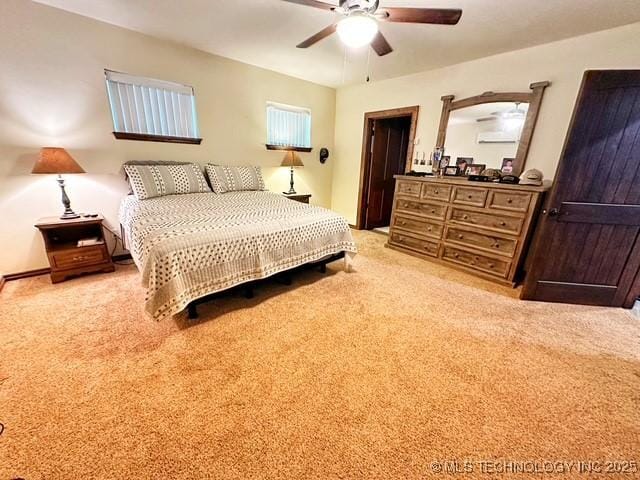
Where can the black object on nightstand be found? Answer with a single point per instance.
(299, 197)
(75, 246)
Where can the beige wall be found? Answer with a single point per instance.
(562, 63)
(52, 92)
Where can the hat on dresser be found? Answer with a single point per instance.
(531, 177)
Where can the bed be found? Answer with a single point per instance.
(190, 246)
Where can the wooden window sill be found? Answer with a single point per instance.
(289, 149)
(156, 138)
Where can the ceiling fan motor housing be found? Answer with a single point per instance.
(366, 6)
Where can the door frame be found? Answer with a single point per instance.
(365, 162)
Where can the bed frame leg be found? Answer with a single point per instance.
(192, 308)
(322, 268)
(248, 292)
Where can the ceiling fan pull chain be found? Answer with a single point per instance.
(368, 65)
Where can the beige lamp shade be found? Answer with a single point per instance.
(291, 160)
(56, 160)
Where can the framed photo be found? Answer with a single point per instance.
(462, 163)
(445, 161)
(450, 171)
(507, 165)
(476, 169)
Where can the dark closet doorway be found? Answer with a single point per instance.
(387, 150)
(587, 247)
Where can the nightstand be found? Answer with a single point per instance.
(299, 197)
(66, 258)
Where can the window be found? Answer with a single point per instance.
(288, 127)
(153, 110)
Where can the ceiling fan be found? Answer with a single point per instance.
(359, 27)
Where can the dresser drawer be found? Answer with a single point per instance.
(498, 245)
(490, 221)
(408, 188)
(478, 262)
(78, 257)
(436, 192)
(512, 201)
(470, 196)
(431, 210)
(423, 246)
(418, 225)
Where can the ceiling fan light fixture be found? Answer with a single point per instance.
(357, 30)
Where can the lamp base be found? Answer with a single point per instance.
(291, 192)
(69, 215)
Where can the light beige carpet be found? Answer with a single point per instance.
(376, 374)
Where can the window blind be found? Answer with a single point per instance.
(147, 106)
(288, 126)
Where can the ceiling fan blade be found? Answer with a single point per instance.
(322, 34)
(380, 45)
(441, 16)
(313, 3)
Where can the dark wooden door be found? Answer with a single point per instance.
(587, 248)
(389, 144)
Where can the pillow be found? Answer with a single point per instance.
(149, 181)
(225, 178)
(148, 162)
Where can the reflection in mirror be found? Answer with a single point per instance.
(485, 134)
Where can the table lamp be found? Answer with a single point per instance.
(291, 160)
(54, 160)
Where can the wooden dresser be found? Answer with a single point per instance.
(482, 228)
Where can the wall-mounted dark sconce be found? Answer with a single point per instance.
(324, 154)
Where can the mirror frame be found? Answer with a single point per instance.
(533, 98)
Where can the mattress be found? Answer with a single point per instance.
(189, 246)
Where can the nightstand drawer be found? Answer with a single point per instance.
(79, 257)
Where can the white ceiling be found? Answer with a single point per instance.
(265, 32)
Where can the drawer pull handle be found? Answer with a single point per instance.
(465, 217)
(469, 197)
(405, 205)
(472, 263)
(503, 224)
(509, 200)
(456, 255)
(435, 191)
(497, 245)
(77, 259)
(429, 229)
(460, 236)
(433, 211)
(403, 222)
(491, 265)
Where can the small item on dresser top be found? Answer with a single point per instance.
(413, 173)
(450, 171)
(510, 179)
(493, 173)
(531, 177)
(478, 178)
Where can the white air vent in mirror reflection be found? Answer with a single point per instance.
(498, 137)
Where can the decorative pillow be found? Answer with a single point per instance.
(225, 178)
(148, 181)
(148, 162)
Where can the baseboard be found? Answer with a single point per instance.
(46, 271)
(29, 273)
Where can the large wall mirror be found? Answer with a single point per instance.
(492, 129)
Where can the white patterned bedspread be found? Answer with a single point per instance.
(188, 246)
